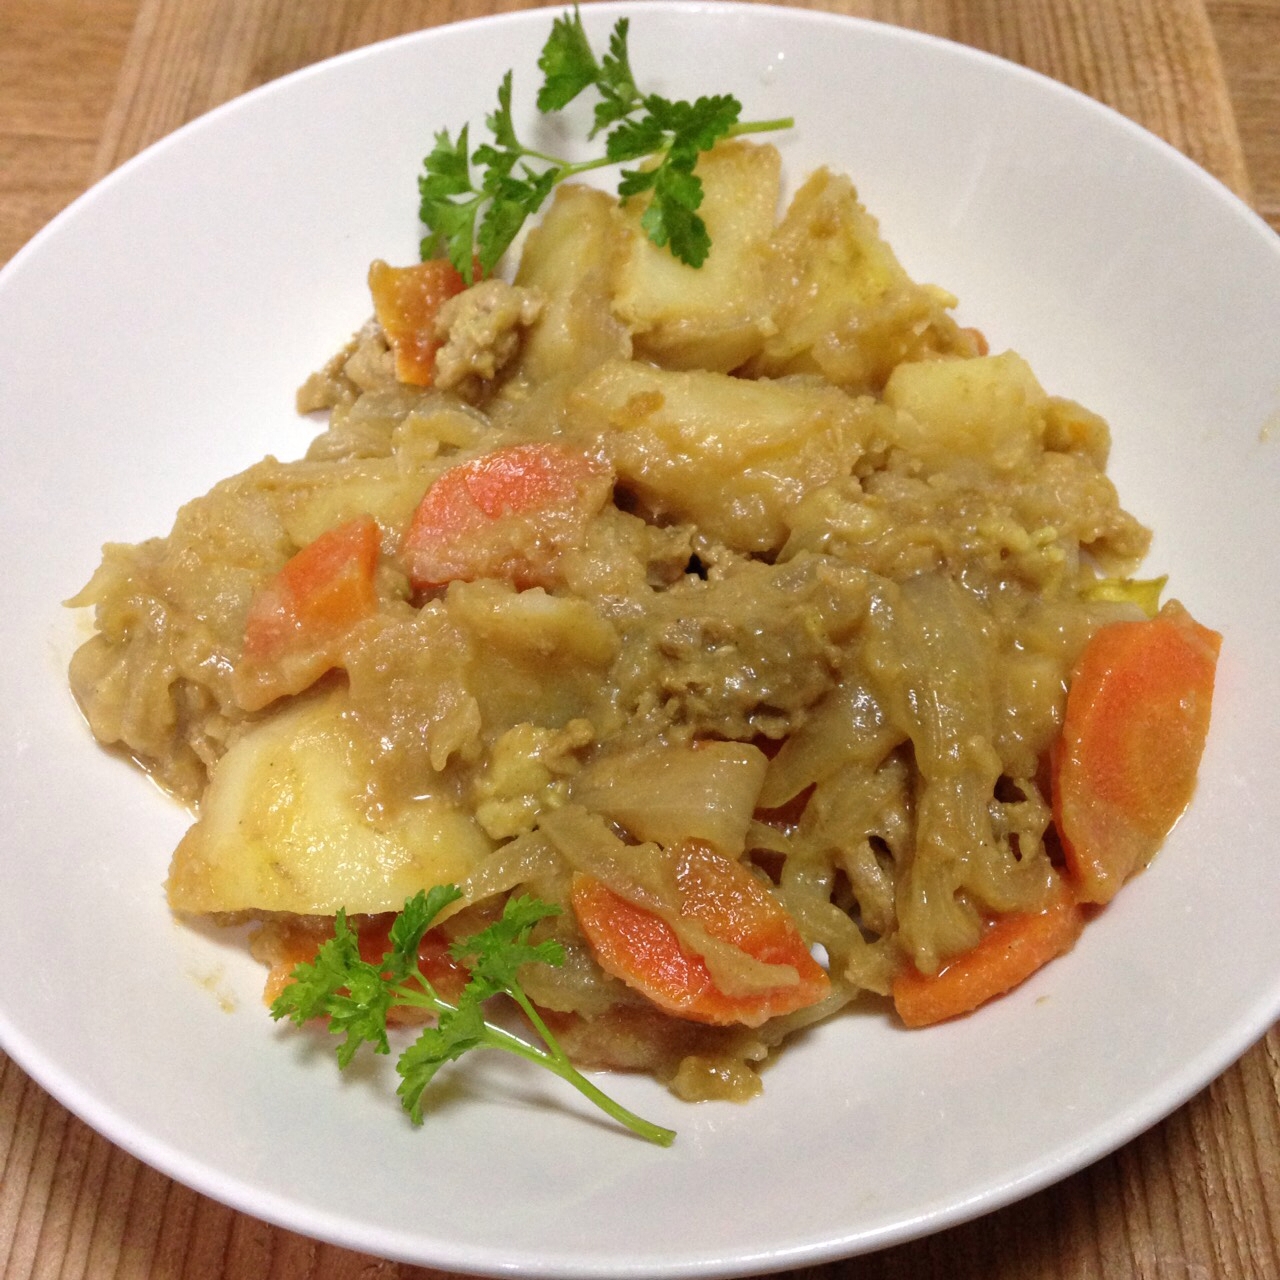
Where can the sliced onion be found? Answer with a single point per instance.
(669, 793)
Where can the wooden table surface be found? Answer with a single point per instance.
(83, 86)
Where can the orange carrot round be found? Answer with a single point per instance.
(1134, 730)
(638, 946)
(503, 515)
(1013, 947)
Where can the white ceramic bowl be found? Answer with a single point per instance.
(150, 342)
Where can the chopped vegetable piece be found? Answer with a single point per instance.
(296, 623)
(407, 301)
(358, 996)
(731, 904)
(1134, 730)
(1144, 592)
(1009, 952)
(503, 515)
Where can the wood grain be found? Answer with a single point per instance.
(1248, 39)
(57, 76)
(85, 86)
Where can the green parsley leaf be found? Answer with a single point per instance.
(459, 1031)
(567, 63)
(340, 986)
(500, 122)
(633, 139)
(670, 218)
(449, 202)
(472, 223)
(617, 84)
(356, 997)
(513, 200)
(496, 953)
(409, 927)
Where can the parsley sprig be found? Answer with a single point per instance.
(356, 996)
(474, 223)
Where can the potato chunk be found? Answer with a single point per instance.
(716, 316)
(569, 261)
(284, 826)
(990, 408)
(730, 455)
(847, 309)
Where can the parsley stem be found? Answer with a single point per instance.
(571, 168)
(760, 126)
(553, 1057)
(558, 1062)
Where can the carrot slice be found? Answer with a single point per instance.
(638, 946)
(503, 515)
(298, 620)
(1135, 726)
(407, 301)
(298, 939)
(1010, 951)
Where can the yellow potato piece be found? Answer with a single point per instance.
(284, 826)
(989, 409)
(716, 316)
(569, 259)
(846, 309)
(731, 455)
